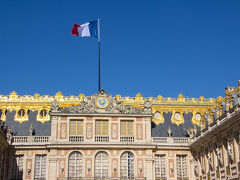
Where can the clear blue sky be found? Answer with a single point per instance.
(152, 47)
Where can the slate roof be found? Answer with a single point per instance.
(22, 129)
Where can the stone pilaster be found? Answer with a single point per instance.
(149, 169)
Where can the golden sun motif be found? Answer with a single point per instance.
(102, 102)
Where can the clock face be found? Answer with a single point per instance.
(102, 102)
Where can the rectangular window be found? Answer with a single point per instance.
(76, 128)
(101, 128)
(160, 166)
(182, 166)
(17, 167)
(40, 167)
(126, 128)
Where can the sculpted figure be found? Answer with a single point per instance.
(192, 132)
(169, 131)
(31, 130)
(55, 106)
(9, 135)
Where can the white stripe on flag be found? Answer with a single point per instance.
(84, 30)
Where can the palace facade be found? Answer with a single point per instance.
(114, 137)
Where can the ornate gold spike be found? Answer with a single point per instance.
(13, 96)
(138, 95)
(59, 96)
(81, 97)
(36, 95)
(181, 98)
(139, 99)
(160, 98)
(118, 97)
(201, 98)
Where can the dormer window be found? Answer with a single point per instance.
(21, 113)
(43, 113)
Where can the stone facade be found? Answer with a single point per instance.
(106, 137)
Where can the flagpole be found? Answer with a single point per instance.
(99, 72)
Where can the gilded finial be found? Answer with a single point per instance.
(59, 96)
(181, 98)
(13, 95)
(201, 98)
(138, 95)
(36, 95)
(118, 97)
(160, 98)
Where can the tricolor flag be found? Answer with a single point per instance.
(89, 29)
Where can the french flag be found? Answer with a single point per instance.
(89, 29)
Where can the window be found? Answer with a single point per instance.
(127, 165)
(21, 113)
(160, 166)
(17, 167)
(101, 128)
(75, 167)
(182, 166)
(43, 113)
(76, 128)
(40, 167)
(101, 165)
(126, 128)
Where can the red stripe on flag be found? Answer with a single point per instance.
(75, 29)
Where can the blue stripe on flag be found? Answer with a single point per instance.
(93, 28)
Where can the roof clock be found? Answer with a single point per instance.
(102, 101)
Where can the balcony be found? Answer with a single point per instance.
(76, 139)
(170, 141)
(30, 139)
(101, 138)
(127, 139)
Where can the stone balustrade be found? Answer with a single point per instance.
(171, 141)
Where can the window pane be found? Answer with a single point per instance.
(127, 165)
(101, 128)
(40, 166)
(126, 128)
(101, 165)
(160, 166)
(76, 128)
(181, 166)
(75, 165)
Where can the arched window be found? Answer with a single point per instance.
(127, 165)
(75, 165)
(101, 165)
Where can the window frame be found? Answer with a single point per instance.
(126, 127)
(76, 126)
(102, 120)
